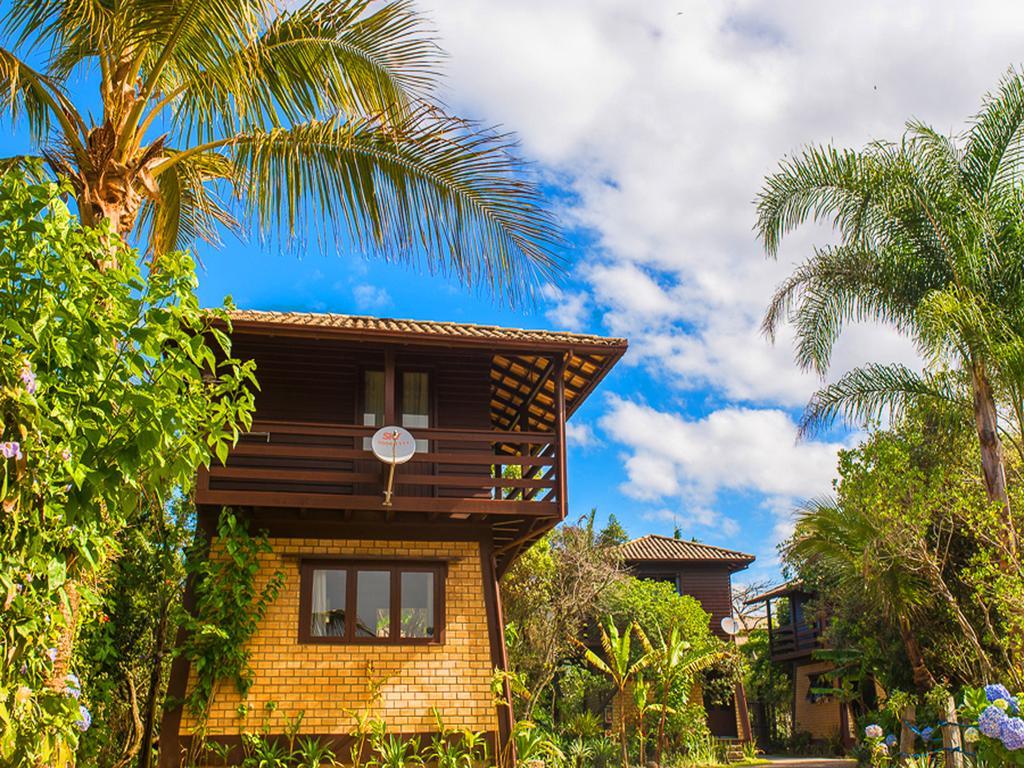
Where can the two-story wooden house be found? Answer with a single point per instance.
(794, 634)
(705, 573)
(403, 597)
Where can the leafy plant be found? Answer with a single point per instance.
(313, 753)
(264, 752)
(114, 387)
(620, 665)
(229, 607)
(390, 751)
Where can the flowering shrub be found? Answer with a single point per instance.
(998, 738)
(881, 748)
(114, 387)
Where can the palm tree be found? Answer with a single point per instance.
(621, 667)
(861, 555)
(322, 118)
(676, 661)
(929, 241)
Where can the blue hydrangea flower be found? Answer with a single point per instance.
(1011, 733)
(997, 691)
(890, 740)
(51, 654)
(971, 735)
(873, 731)
(926, 733)
(85, 719)
(990, 721)
(72, 686)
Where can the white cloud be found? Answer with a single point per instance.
(370, 297)
(663, 119)
(581, 435)
(571, 309)
(739, 450)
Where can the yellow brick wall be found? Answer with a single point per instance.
(327, 680)
(820, 719)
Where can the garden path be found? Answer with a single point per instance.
(808, 762)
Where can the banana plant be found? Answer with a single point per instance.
(621, 666)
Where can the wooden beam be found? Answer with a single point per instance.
(389, 387)
(563, 495)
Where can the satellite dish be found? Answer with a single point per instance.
(730, 626)
(393, 445)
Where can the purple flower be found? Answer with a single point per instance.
(873, 731)
(997, 691)
(890, 741)
(926, 733)
(990, 721)
(85, 719)
(72, 687)
(1011, 733)
(65, 455)
(10, 450)
(29, 379)
(51, 654)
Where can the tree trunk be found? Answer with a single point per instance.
(992, 462)
(923, 678)
(951, 742)
(153, 694)
(907, 737)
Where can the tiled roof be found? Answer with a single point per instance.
(424, 328)
(789, 588)
(663, 548)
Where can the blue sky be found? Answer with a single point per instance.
(652, 124)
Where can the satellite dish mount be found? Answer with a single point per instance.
(392, 446)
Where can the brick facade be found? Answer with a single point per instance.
(329, 682)
(822, 718)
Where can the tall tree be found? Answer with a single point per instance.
(929, 241)
(320, 118)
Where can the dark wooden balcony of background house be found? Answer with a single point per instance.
(794, 641)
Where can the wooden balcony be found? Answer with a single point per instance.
(461, 473)
(793, 641)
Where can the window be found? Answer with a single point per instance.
(371, 602)
(414, 402)
(373, 402)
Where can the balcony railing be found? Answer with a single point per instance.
(791, 641)
(329, 466)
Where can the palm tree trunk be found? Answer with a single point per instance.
(992, 463)
(924, 680)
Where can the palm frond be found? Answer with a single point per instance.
(995, 141)
(820, 184)
(867, 393)
(317, 60)
(27, 94)
(431, 191)
(188, 209)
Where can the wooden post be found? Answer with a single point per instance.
(951, 740)
(907, 736)
(563, 496)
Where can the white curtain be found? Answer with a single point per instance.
(320, 607)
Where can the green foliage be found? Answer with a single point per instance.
(654, 605)
(114, 388)
(550, 595)
(902, 565)
(229, 606)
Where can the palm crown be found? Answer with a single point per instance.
(929, 241)
(215, 112)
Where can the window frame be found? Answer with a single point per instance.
(396, 568)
